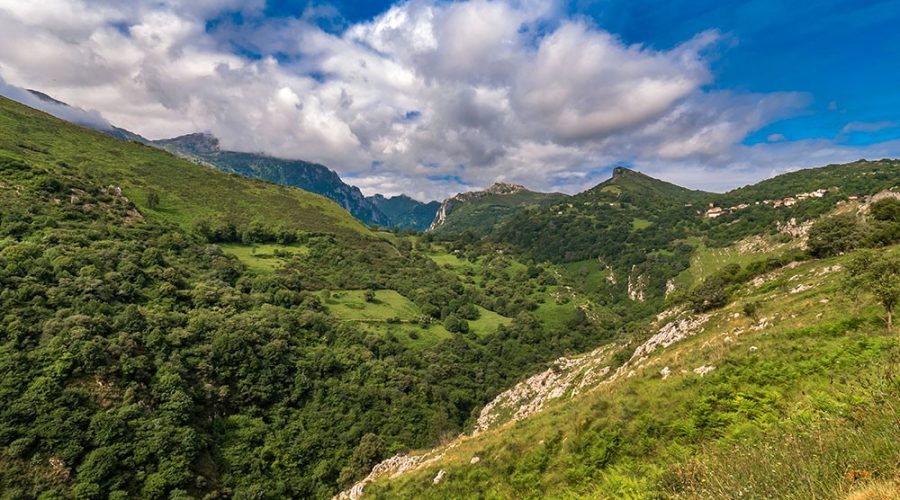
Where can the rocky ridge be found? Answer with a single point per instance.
(447, 206)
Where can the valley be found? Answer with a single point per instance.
(172, 331)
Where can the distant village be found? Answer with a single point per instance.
(713, 211)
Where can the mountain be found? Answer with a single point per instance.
(480, 211)
(173, 331)
(297, 173)
(405, 212)
(182, 192)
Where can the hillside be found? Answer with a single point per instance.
(311, 177)
(794, 397)
(184, 193)
(405, 212)
(479, 212)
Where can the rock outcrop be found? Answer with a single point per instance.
(499, 188)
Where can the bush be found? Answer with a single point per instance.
(709, 295)
(834, 235)
(456, 325)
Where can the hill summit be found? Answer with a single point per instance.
(478, 211)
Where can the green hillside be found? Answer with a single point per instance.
(796, 400)
(405, 212)
(305, 175)
(479, 212)
(172, 331)
(186, 192)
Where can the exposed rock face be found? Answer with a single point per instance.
(637, 286)
(670, 287)
(499, 188)
(670, 333)
(794, 229)
(391, 467)
(882, 196)
(566, 375)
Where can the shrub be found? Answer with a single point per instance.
(834, 235)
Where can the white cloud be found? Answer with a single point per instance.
(427, 98)
(868, 126)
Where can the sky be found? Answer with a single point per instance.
(429, 98)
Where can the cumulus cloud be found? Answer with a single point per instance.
(427, 98)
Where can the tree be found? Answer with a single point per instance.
(710, 294)
(370, 451)
(878, 274)
(152, 200)
(834, 235)
(887, 209)
(369, 295)
(455, 325)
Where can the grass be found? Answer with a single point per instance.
(638, 224)
(804, 407)
(553, 315)
(351, 305)
(487, 322)
(706, 261)
(388, 314)
(262, 257)
(588, 275)
(187, 191)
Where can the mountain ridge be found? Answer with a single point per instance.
(485, 207)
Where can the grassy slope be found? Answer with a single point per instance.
(264, 257)
(803, 407)
(187, 191)
(553, 313)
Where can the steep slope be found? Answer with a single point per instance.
(793, 397)
(405, 212)
(162, 184)
(296, 173)
(480, 211)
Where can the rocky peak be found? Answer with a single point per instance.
(197, 143)
(620, 172)
(504, 188)
(498, 188)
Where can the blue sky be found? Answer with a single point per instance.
(429, 97)
(844, 54)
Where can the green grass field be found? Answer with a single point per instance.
(262, 257)
(587, 274)
(706, 261)
(487, 323)
(638, 224)
(351, 305)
